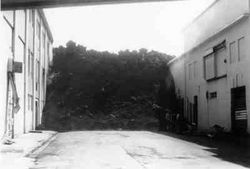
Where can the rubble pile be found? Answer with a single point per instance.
(136, 114)
(89, 89)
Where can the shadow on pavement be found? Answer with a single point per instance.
(235, 149)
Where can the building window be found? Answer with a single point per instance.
(209, 67)
(20, 22)
(37, 74)
(190, 71)
(232, 52)
(215, 62)
(43, 83)
(30, 102)
(30, 64)
(48, 54)
(241, 49)
(44, 36)
(220, 62)
(38, 29)
(20, 48)
(38, 43)
(195, 69)
(43, 48)
(32, 18)
(213, 95)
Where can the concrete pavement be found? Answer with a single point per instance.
(128, 150)
(15, 155)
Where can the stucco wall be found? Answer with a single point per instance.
(218, 111)
(24, 119)
(177, 70)
(225, 20)
(5, 54)
(215, 18)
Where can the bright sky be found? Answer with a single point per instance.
(155, 25)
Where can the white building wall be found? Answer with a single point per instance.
(19, 33)
(177, 70)
(215, 18)
(29, 72)
(5, 53)
(19, 56)
(225, 20)
(218, 111)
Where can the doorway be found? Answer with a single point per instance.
(238, 110)
(195, 111)
(37, 114)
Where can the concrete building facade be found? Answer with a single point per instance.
(26, 52)
(212, 76)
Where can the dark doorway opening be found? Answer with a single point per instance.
(195, 111)
(37, 114)
(239, 110)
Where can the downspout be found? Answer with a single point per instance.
(25, 72)
(34, 71)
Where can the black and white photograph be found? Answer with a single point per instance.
(124, 84)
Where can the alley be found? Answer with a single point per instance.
(127, 150)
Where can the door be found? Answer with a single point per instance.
(213, 114)
(239, 110)
(195, 111)
(218, 100)
(37, 113)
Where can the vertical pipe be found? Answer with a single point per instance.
(34, 70)
(185, 86)
(25, 71)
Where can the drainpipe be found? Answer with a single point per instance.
(25, 71)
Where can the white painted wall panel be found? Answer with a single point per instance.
(218, 111)
(19, 79)
(221, 62)
(221, 14)
(5, 53)
(24, 118)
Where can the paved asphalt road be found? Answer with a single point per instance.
(128, 150)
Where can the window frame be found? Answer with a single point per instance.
(230, 52)
(205, 67)
(238, 46)
(190, 71)
(212, 53)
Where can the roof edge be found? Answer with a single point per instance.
(237, 20)
(198, 16)
(41, 12)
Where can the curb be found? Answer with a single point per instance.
(40, 147)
